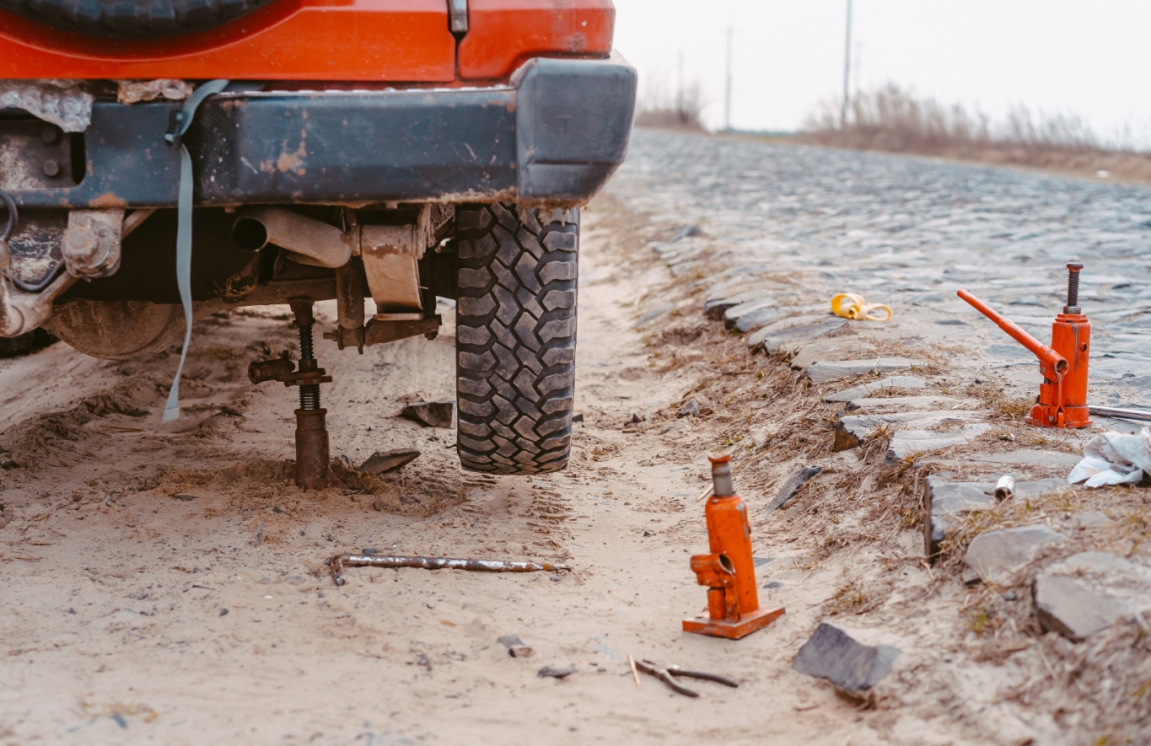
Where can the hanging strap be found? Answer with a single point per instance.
(177, 126)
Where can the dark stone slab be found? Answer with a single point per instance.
(832, 654)
(382, 462)
(431, 413)
(1088, 592)
(791, 486)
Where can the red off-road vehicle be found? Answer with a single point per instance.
(165, 157)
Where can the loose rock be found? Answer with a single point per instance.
(515, 646)
(867, 389)
(691, 409)
(382, 462)
(555, 672)
(832, 654)
(791, 486)
(1088, 592)
(999, 556)
(431, 413)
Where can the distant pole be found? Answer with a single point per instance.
(680, 106)
(846, 71)
(727, 93)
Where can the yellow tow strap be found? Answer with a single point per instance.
(852, 306)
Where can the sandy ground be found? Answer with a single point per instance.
(166, 583)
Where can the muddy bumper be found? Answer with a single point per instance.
(553, 135)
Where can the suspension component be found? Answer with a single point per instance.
(312, 448)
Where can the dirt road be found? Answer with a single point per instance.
(164, 583)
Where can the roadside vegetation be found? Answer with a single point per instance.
(895, 120)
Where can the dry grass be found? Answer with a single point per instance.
(893, 119)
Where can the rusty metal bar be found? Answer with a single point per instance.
(339, 562)
(1045, 354)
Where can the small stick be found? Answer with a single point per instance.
(634, 673)
(340, 561)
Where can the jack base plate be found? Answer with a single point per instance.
(756, 620)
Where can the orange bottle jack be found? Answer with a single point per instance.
(1062, 398)
(729, 571)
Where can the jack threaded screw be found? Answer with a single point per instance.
(1073, 284)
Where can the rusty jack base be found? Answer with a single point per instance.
(729, 571)
(313, 457)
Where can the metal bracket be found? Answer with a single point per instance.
(458, 13)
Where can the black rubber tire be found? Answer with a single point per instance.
(132, 19)
(515, 337)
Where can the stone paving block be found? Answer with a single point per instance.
(1027, 457)
(749, 322)
(853, 431)
(911, 402)
(908, 443)
(826, 372)
(844, 347)
(830, 653)
(733, 314)
(792, 338)
(946, 504)
(715, 308)
(791, 486)
(651, 316)
(1088, 592)
(998, 557)
(755, 340)
(867, 389)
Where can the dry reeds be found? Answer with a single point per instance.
(893, 119)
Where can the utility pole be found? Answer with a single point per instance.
(727, 94)
(846, 71)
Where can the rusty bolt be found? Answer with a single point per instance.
(51, 167)
(81, 245)
(49, 135)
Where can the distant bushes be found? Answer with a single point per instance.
(893, 119)
(682, 110)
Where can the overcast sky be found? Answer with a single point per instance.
(1089, 57)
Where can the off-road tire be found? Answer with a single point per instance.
(132, 19)
(515, 337)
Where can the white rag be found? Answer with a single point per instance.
(1114, 458)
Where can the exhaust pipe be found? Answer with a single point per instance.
(307, 240)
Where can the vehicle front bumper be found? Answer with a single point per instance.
(553, 135)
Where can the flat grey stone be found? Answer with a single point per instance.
(792, 338)
(853, 431)
(1028, 457)
(908, 443)
(515, 646)
(691, 409)
(845, 347)
(867, 389)
(791, 486)
(999, 556)
(910, 402)
(1088, 592)
(431, 413)
(715, 307)
(749, 322)
(1026, 490)
(382, 462)
(733, 314)
(555, 672)
(832, 654)
(756, 338)
(826, 372)
(946, 504)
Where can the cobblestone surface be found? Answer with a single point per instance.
(909, 232)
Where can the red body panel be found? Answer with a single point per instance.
(502, 33)
(393, 40)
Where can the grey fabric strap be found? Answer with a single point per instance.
(184, 232)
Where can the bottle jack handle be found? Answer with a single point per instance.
(1051, 360)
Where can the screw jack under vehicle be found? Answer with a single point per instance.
(312, 449)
